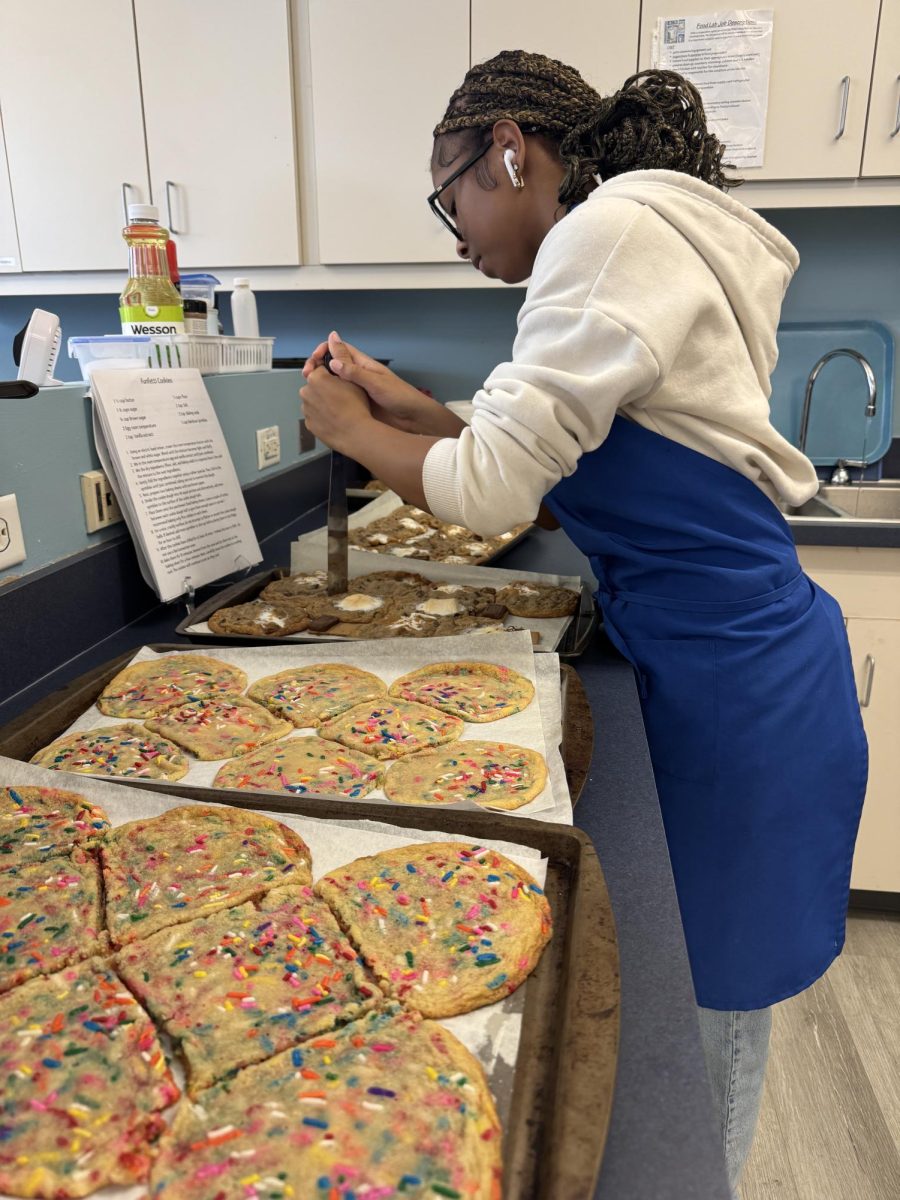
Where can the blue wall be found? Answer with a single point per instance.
(448, 341)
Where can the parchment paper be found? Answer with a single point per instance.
(491, 1033)
(538, 727)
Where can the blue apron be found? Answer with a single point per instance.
(749, 703)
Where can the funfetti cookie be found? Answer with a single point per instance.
(299, 765)
(388, 1106)
(239, 985)
(219, 727)
(262, 618)
(391, 728)
(37, 823)
(84, 1082)
(475, 691)
(126, 749)
(491, 774)
(445, 926)
(144, 688)
(306, 695)
(191, 861)
(50, 915)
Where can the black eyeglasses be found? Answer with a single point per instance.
(433, 198)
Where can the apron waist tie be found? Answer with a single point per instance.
(708, 606)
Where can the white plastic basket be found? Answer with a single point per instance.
(211, 355)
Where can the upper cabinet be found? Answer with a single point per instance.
(381, 76)
(9, 238)
(218, 107)
(599, 39)
(882, 150)
(71, 106)
(818, 86)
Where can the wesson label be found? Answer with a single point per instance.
(152, 320)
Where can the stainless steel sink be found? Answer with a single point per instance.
(856, 503)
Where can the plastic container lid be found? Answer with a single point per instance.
(105, 338)
(143, 212)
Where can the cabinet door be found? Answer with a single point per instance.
(216, 79)
(74, 132)
(815, 45)
(597, 37)
(882, 150)
(381, 78)
(875, 645)
(9, 238)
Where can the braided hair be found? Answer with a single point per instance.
(655, 120)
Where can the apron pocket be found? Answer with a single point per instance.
(680, 704)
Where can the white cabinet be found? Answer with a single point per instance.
(875, 645)
(822, 52)
(381, 78)
(597, 37)
(866, 583)
(9, 238)
(218, 107)
(882, 150)
(71, 107)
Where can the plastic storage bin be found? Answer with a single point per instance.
(218, 355)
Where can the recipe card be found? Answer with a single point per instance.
(161, 446)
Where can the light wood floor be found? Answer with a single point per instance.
(829, 1128)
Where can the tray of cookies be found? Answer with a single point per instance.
(431, 600)
(401, 725)
(272, 999)
(386, 525)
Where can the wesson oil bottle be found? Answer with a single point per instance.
(150, 303)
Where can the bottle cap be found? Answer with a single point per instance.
(143, 212)
(241, 282)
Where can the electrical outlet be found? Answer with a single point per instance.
(101, 508)
(12, 544)
(268, 447)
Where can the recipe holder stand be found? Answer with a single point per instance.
(562, 1090)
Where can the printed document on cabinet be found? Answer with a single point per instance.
(726, 55)
(160, 443)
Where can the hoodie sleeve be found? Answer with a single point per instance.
(573, 367)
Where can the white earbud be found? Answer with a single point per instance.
(512, 169)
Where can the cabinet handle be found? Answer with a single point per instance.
(169, 186)
(126, 188)
(896, 128)
(869, 670)
(845, 96)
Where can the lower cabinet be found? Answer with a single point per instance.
(866, 583)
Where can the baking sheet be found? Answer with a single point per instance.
(491, 1033)
(538, 727)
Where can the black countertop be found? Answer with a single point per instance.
(662, 1143)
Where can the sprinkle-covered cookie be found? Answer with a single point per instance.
(49, 916)
(491, 774)
(144, 688)
(263, 618)
(391, 728)
(191, 861)
(84, 1082)
(128, 749)
(388, 1106)
(219, 727)
(445, 926)
(303, 764)
(238, 986)
(475, 691)
(306, 695)
(37, 822)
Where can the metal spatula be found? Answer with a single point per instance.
(337, 518)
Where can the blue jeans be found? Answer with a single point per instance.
(736, 1047)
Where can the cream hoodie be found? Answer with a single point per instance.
(657, 298)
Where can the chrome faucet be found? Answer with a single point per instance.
(841, 474)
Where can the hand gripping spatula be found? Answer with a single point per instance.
(337, 518)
